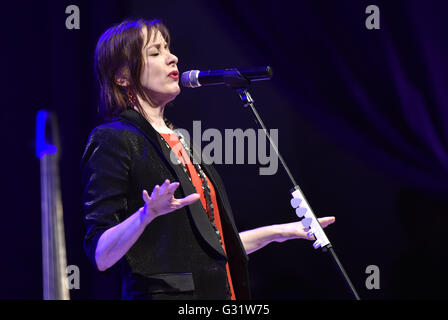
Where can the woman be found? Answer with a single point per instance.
(170, 245)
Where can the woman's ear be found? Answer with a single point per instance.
(122, 77)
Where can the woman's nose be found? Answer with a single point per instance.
(172, 59)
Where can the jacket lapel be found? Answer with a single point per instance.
(196, 210)
(214, 177)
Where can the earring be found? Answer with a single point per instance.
(131, 97)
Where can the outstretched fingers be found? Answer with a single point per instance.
(324, 222)
(164, 186)
(146, 196)
(188, 200)
(172, 187)
(155, 191)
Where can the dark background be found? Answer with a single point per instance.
(362, 118)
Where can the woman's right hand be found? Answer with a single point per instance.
(162, 200)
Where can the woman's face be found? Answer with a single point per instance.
(159, 76)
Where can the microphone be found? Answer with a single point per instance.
(230, 77)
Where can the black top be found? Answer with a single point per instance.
(178, 255)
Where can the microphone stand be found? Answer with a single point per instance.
(239, 83)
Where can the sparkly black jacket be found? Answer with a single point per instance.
(178, 256)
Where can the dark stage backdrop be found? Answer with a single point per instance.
(362, 118)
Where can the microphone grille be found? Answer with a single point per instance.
(190, 79)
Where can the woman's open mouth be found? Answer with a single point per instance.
(174, 75)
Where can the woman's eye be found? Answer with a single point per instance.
(154, 54)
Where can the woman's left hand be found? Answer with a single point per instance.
(295, 230)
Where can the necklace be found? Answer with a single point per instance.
(202, 177)
(205, 187)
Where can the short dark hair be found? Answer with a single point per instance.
(121, 47)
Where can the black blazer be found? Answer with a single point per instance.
(178, 255)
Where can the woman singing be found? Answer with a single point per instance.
(168, 223)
